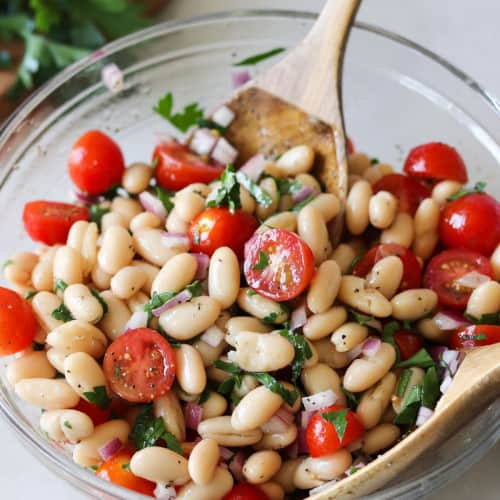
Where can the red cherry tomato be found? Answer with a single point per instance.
(177, 167)
(218, 227)
(96, 414)
(278, 264)
(18, 324)
(475, 336)
(117, 470)
(140, 365)
(412, 272)
(245, 491)
(472, 222)
(436, 161)
(446, 267)
(408, 343)
(50, 221)
(408, 190)
(95, 163)
(350, 146)
(321, 435)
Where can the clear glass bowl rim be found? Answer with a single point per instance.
(83, 479)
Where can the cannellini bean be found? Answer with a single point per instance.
(175, 224)
(56, 359)
(82, 304)
(188, 205)
(312, 229)
(68, 265)
(145, 220)
(348, 336)
(258, 352)
(137, 301)
(375, 401)
(424, 245)
(162, 465)
(82, 237)
(354, 292)
(366, 371)
(49, 394)
(277, 440)
(376, 172)
(83, 373)
(248, 383)
(50, 425)
(386, 276)
(308, 180)
(128, 281)
(284, 477)
(176, 274)
(208, 353)
(42, 276)
(416, 379)
(100, 278)
(343, 255)
(31, 365)
(247, 202)
(273, 490)
(401, 231)
(297, 160)
(356, 209)
(286, 203)
(329, 355)
(18, 269)
(221, 484)
(383, 207)
(136, 177)
(321, 377)
(485, 299)
(203, 461)
(320, 325)
(268, 184)
(427, 216)
(86, 452)
(261, 307)
(190, 371)
(246, 323)
(117, 249)
(495, 262)
(169, 409)
(429, 330)
(150, 245)
(128, 208)
(114, 321)
(75, 425)
(413, 304)
(111, 219)
(224, 277)
(185, 321)
(261, 466)
(380, 438)
(214, 406)
(151, 272)
(221, 429)
(324, 287)
(327, 204)
(444, 189)
(281, 220)
(358, 163)
(255, 409)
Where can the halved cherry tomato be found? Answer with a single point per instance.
(50, 221)
(412, 272)
(408, 343)
(472, 222)
(140, 365)
(278, 264)
(245, 491)
(446, 267)
(96, 414)
(436, 161)
(218, 227)
(95, 163)
(18, 324)
(117, 470)
(409, 191)
(475, 336)
(177, 167)
(321, 435)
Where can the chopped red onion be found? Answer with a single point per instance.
(203, 141)
(165, 492)
(424, 414)
(355, 352)
(110, 448)
(355, 445)
(176, 240)
(240, 77)
(302, 441)
(285, 415)
(203, 261)
(192, 415)
(292, 450)
(303, 193)
(223, 152)
(371, 346)
(180, 298)
(323, 487)
(472, 279)
(445, 384)
(236, 466)
(139, 319)
(275, 425)
(449, 320)
(112, 77)
(225, 453)
(451, 361)
(254, 167)
(86, 198)
(436, 352)
(152, 204)
(223, 116)
(213, 336)
(299, 316)
(319, 400)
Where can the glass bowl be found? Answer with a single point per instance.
(396, 95)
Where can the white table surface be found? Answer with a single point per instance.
(467, 34)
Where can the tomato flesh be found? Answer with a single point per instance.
(412, 272)
(475, 336)
(117, 470)
(446, 267)
(408, 343)
(436, 161)
(471, 222)
(218, 227)
(278, 264)
(96, 414)
(95, 163)
(245, 491)
(140, 365)
(177, 167)
(49, 222)
(321, 435)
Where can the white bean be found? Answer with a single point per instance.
(383, 208)
(56, 359)
(83, 373)
(425, 244)
(356, 210)
(324, 287)
(176, 274)
(495, 262)
(261, 466)
(50, 425)
(188, 205)
(82, 304)
(169, 409)
(413, 304)
(214, 406)
(114, 321)
(145, 220)
(431, 331)
(329, 355)
(190, 371)
(31, 365)
(284, 477)
(273, 490)
(151, 273)
(261, 307)
(353, 292)
(203, 461)
(380, 438)
(281, 220)
(136, 177)
(348, 336)
(401, 231)
(83, 238)
(297, 160)
(75, 425)
(485, 299)
(220, 429)
(137, 301)
(42, 276)
(128, 208)
(343, 255)
(416, 378)
(376, 172)
(327, 204)
(255, 409)
(117, 249)
(358, 163)
(268, 184)
(246, 323)
(68, 265)
(321, 377)
(49, 394)
(319, 326)
(149, 244)
(100, 278)
(19, 267)
(128, 281)
(161, 465)
(386, 276)
(312, 229)
(112, 219)
(224, 277)
(444, 189)
(221, 484)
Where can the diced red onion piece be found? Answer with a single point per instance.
(240, 77)
(203, 141)
(203, 261)
(355, 352)
(223, 116)
(223, 152)
(86, 198)
(450, 360)
(139, 319)
(371, 346)
(165, 492)
(301, 441)
(292, 450)
(323, 487)
(213, 336)
(254, 167)
(436, 352)
(236, 466)
(274, 425)
(319, 400)
(472, 279)
(445, 384)
(152, 204)
(176, 240)
(449, 320)
(225, 453)
(192, 415)
(424, 414)
(285, 415)
(110, 448)
(180, 298)
(112, 77)
(355, 445)
(299, 316)
(375, 324)
(303, 193)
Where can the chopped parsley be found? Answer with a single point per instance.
(352, 399)
(480, 336)
(303, 352)
(339, 420)
(478, 188)
(485, 319)
(93, 468)
(287, 186)
(251, 293)
(166, 198)
(228, 194)
(7, 263)
(403, 383)
(354, 261)
(260, 195)
(409, 412)
(204, 396)
(62, 313)
(362, 319)
(374, 161)
(430, 388)
(97, 212)
(99, 397)
(183, 120)
(353, 469)
(210, 124)
(101, 301)
(253, 60)
(262, 263)
(194, 288)
(388, 337)
(270, 319)
(29, 295)
(157, 300)
(303, 203)
(273, 385)
(60, 285)
(126, 467)
(68, 425)
(421, 359)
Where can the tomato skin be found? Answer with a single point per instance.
(350, 146)
(218, 227)
(408, 343)
(140, 365)
(18, 324)
(412, 272)
(49, 222)
(321, 436)
(177, 167)
(447, 266)
(96, 414)
(471, 222)
(113, 470)
(409, 191)
(467, 337)
(436, 161)
(290, 268)
(245, 491)
(95, 163)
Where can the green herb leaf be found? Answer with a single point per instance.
(38, 347)
(60, 285)
(388, 337)
(62, 313)
(261, 196)
(195, 288)
(480, 336)
(96, 213)
(227, 366)
(302, 352)
(478, 188)
(30, 295)
(374, 161)
(262, 263)
(7, 263)
(353, 469)
(421, 359)
(228, 194)
(408, 415)
(206, 123)
(67, 424)
(354, 261)
(250, 292)
(183, 120)
(171, 441)
(103, 303)
(93, 468)
(253, 60)
(485, 319)
(273, 385)
(352, 399)
(204, 396)
(362, 319)
(166, 198)
(430, 388)
(99, 397)
(403, 383)
(303, 203)
(287, 186)
(126, 467)
(157, 300)
(270, 319)
(5, 59)
(339, 420)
